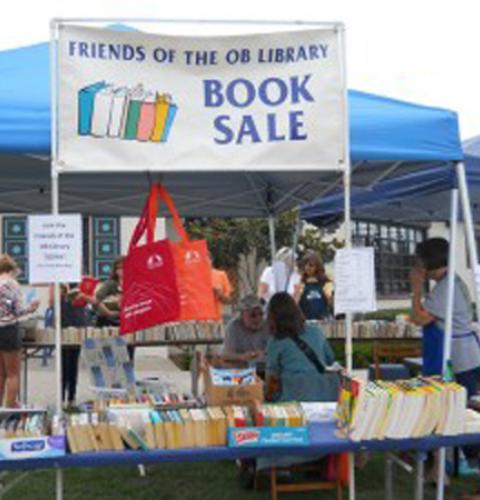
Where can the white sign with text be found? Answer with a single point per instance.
(135, 101)
(355, 280)
(55, 248)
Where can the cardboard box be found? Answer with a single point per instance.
(224, 395)
(32, 447)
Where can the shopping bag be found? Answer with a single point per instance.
(192, 265)
(150, 292)
(87, 287)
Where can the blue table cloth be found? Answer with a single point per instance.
(323, 439)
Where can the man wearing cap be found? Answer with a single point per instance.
(246, 335)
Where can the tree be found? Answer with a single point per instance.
(242, 246)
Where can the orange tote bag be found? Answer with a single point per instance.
(193, 268)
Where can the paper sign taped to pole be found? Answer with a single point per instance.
(55, 248)
(355, 280)
(130, 100)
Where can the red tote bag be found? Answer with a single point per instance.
(150, 291)
(192, 266)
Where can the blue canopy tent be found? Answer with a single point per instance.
(387, 138)
(418, 196)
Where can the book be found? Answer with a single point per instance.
(133, 113)
(146, 119)
(172, 111)
(86, 100)
(101, 111)
(161, 113)
(120, 100)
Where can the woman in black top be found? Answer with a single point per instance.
(313, 294)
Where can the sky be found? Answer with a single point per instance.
(422, 51)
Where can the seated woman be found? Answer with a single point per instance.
(297, 355)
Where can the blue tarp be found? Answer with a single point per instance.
(418, 196)
(380, 128)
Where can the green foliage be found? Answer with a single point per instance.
(230, 238)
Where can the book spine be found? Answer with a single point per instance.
(172, 111)
(117, 116)
(133, 116)
(161, 113)
(86, 99)
(146, 121)
(101, 114)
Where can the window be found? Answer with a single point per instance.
(15, 243)
(394, 253)
(105, 245)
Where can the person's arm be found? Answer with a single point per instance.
(263, 289)
(328, 292)
(264, 283)
(272, 370)
(20, 308)
(297, 291)
(223, 293)
(419, 315)
(104, 290)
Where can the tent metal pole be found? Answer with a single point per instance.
(271, 232)
(347, 180)
(452, 262)
(228, 22)
(55, 211)
(469, 229)
(448, 322)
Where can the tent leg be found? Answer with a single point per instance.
(271, 232)
(469, 229)
(349, 316)
(448, 323)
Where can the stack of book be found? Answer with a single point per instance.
(30, 433)
(371, 329)
(93, 432)
(158, 401)
(137, 426)
(402, 409)
(472, 422)
(175, 332)
(23, 423)
(280, 415)
(118, 112)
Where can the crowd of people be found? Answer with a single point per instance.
(276, 329)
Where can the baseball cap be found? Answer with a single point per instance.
(250, 301)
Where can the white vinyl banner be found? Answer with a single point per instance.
(132, 101)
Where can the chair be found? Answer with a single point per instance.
(337, 483)
(388, 357)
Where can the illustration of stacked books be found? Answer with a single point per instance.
(106, 110)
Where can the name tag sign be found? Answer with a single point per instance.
(55, 248)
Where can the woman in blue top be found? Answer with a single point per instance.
(297, 355)
(432, 264)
